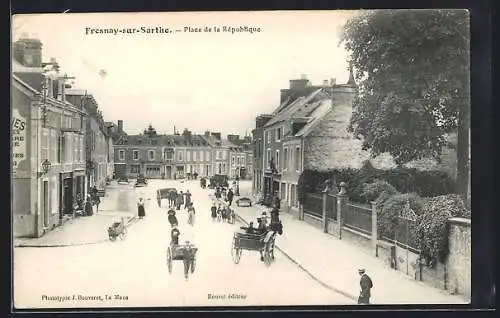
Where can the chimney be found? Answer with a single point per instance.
(298, 84)
(207, 133)
(28, 52)
(120, 125)
(216, 135)
(325, 82)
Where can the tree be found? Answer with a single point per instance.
(413, 83)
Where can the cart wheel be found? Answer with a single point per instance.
(193, 265)
(267, 257)
(235, 252)
(169, 261)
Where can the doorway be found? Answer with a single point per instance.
(68, 196)
(46, 207)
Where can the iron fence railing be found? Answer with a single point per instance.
(313, 205)
(357, 217)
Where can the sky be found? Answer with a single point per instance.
(217, 81)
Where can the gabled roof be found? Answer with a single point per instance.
(315, 117)
(163, 140)
(299, 106)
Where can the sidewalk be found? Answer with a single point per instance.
(83, 230)
(334, 263)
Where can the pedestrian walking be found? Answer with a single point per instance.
(97, 201)
(88, 206)
(213, 211)
(230, 196)
(366, 285)
(172, 219)
(188, 200)
(141, 212)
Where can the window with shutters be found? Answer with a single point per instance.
(121, 155)
(179, 156)
(285, 159)
(277, 161)
(297, 159)
(45, 144)
(76, 147)
(53, 145)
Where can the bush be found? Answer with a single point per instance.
(432, 226)
(404, 180)
(372, 191)
(388, 212)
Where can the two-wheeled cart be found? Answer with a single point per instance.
(264, 243)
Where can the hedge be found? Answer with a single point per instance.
(432, 225)
(405, 180)
(388, 212)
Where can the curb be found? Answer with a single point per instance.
(319, 281)
(129, 223)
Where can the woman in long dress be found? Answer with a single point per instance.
(141, 212)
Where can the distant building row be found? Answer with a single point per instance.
(178, 155)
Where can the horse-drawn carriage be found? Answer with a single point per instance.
(219, 180)
(264, 243)
(141, 181)
(117, 229)
(185, 253)
(167, 193)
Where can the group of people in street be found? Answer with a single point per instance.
(225, 195)
(222, 213)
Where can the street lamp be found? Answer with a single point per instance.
(237, 190)
(45, 166)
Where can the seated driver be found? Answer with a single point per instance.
(250, 229)
(174, 236)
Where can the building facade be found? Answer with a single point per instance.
(48, 156)
(258, 153)
(174, 156)
(96, 139)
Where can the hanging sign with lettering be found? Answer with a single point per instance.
(19, 134)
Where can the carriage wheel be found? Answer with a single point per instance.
(123, 235)
(235, 252)
(169, 261)
(267, 257)
(193, 265)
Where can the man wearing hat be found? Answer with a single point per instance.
(172, 219)
(366, 285)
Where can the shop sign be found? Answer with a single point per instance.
(19, 134)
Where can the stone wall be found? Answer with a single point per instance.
(459, 259)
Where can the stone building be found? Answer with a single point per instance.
(258, 153)
(48, 153)
(161, 156)
(96, 139)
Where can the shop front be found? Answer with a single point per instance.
(271, 187)
(179, 172)
(66, 195)
(79, 186)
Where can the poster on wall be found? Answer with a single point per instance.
(18, 139)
